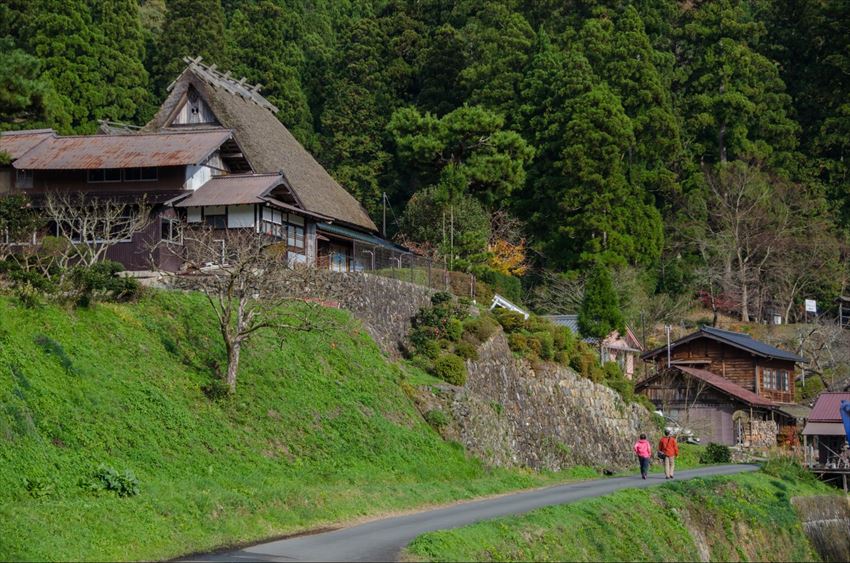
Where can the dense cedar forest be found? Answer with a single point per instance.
(695, 149)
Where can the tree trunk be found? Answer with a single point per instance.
(233, 364)
(745, 295)
(452, 236)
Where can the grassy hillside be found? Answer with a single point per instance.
(746, 517)
(320, 431)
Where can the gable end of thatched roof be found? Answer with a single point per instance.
(267, 143)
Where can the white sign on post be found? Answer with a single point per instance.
(811, 306)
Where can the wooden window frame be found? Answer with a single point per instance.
(141, 170)
(105, 180)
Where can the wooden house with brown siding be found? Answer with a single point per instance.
(727, 385)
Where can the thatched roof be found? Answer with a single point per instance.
(267, 144)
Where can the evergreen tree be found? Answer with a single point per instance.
(600, 313)
(732, 95)
(605, 217)
(127, 97)
(26, 100)
(498, 45)
(375, 74)
(579, 201)
(811, 43)
(263, 46)
(71, 46)
(468, 148)
(192, 28)
(427, 225)
(443, 62)
(620, 52)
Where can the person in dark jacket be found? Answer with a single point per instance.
(643, 450)
(670, 448)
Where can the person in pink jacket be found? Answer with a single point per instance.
(644, 452)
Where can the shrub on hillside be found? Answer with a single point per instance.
(811, 388)
(547, 345)
(454, 330)
(787, 468)
(19, 273)
(716, 453)
(27, 295)
(511, 321)
(102, 280)
(506, 285)
(107, 478)
(451, 369)
(644, 401)
(518, 343)
(437, 419)
(466, 351)
(481, 328)
(615, 379)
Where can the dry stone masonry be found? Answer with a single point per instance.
(509, 414)
(385, 305)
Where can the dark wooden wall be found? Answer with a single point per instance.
(169, 178)
(734, 364)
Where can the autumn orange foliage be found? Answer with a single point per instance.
(508, 258)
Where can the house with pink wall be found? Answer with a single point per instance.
(620, 348)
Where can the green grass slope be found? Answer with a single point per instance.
(747, 517)
(320, 431)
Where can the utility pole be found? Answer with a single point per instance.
(667, 330)
(384, 221)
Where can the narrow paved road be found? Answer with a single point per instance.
(382, 540)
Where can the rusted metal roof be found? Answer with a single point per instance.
(18, 143)
(826, 408)
(237, 189)
(122, 151)
(729, 388)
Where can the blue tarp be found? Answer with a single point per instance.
(845, 418)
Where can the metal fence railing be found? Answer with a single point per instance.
(404, 266)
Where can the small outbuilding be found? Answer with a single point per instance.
(824, 436)
(620, 348)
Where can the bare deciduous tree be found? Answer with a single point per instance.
(247, 279)
(826, 346)
(91, 225)
(764, 240)
(557, 294)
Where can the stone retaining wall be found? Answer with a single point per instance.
(385, 305)
(509, 414)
